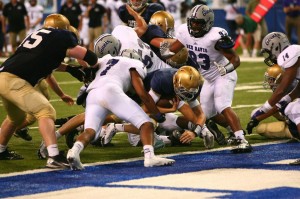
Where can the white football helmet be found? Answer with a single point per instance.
(187, 81)
(107, 44)
(131, 53)
(200, 20)
(272, 45)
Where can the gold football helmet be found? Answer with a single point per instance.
(57, 21)
(75, 31)
(187, 81)
(165, 21)
(179, 59)
(273, 77)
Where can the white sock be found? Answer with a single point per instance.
(58, 135)
(148, 151)
(245, 51)
(77, 147)
(52, 150)
(119, 127)
(2, 148)
(254, 52)
(240, 134)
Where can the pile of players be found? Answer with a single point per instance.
(143, 78)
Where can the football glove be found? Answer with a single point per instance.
(165, 51)
(223, 70)
(251, 124)
(206, 135)
(76, 72)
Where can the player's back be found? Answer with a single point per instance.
(43, 49)
(130, 40)
(115, 70)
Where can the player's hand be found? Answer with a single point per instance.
(164, 50)
(251, 124)
(130, 10)
(76, 72)
(223, 70)
(68, 99)
(187, 137)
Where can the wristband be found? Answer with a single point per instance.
(198, 130)
(229, 67)
(266, 107)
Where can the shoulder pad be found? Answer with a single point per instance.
(225, 42)
(289, 56)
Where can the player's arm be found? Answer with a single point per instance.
(147, 100)
(287, 79)
(167, 50)
(83, 54)
(225, 46)
(57, 89)
(141, 25)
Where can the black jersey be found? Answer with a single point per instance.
(150, 9)
(39, 54)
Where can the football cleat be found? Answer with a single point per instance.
(57, 162)
(158, 161)
(295, 163)
(74, 161)
(110, 132)
(10, 155)
(219, 136)
(71, 138)
(242, 146)
(42, 152)
(23, 133)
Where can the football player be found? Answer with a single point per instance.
(36, 57)
(116, 75)
(143, 8)
(183, 83)
(212, 48)
(283, 128)
(277, 49)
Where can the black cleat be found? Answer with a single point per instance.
(61, 121)
(241, 146)
(295, 163)
(213, 128)
(71, 138)
(23, 133)
(10, 155)
(58, 162)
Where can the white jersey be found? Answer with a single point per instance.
(116, 70)
(203, 50)
(130, 40)
(35, 13)
(289, 57)
(114, 7)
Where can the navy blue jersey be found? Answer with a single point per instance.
(39, 54)
(153, 31)
(161, 82)
(150, 9)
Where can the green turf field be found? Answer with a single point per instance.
(248, 95)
